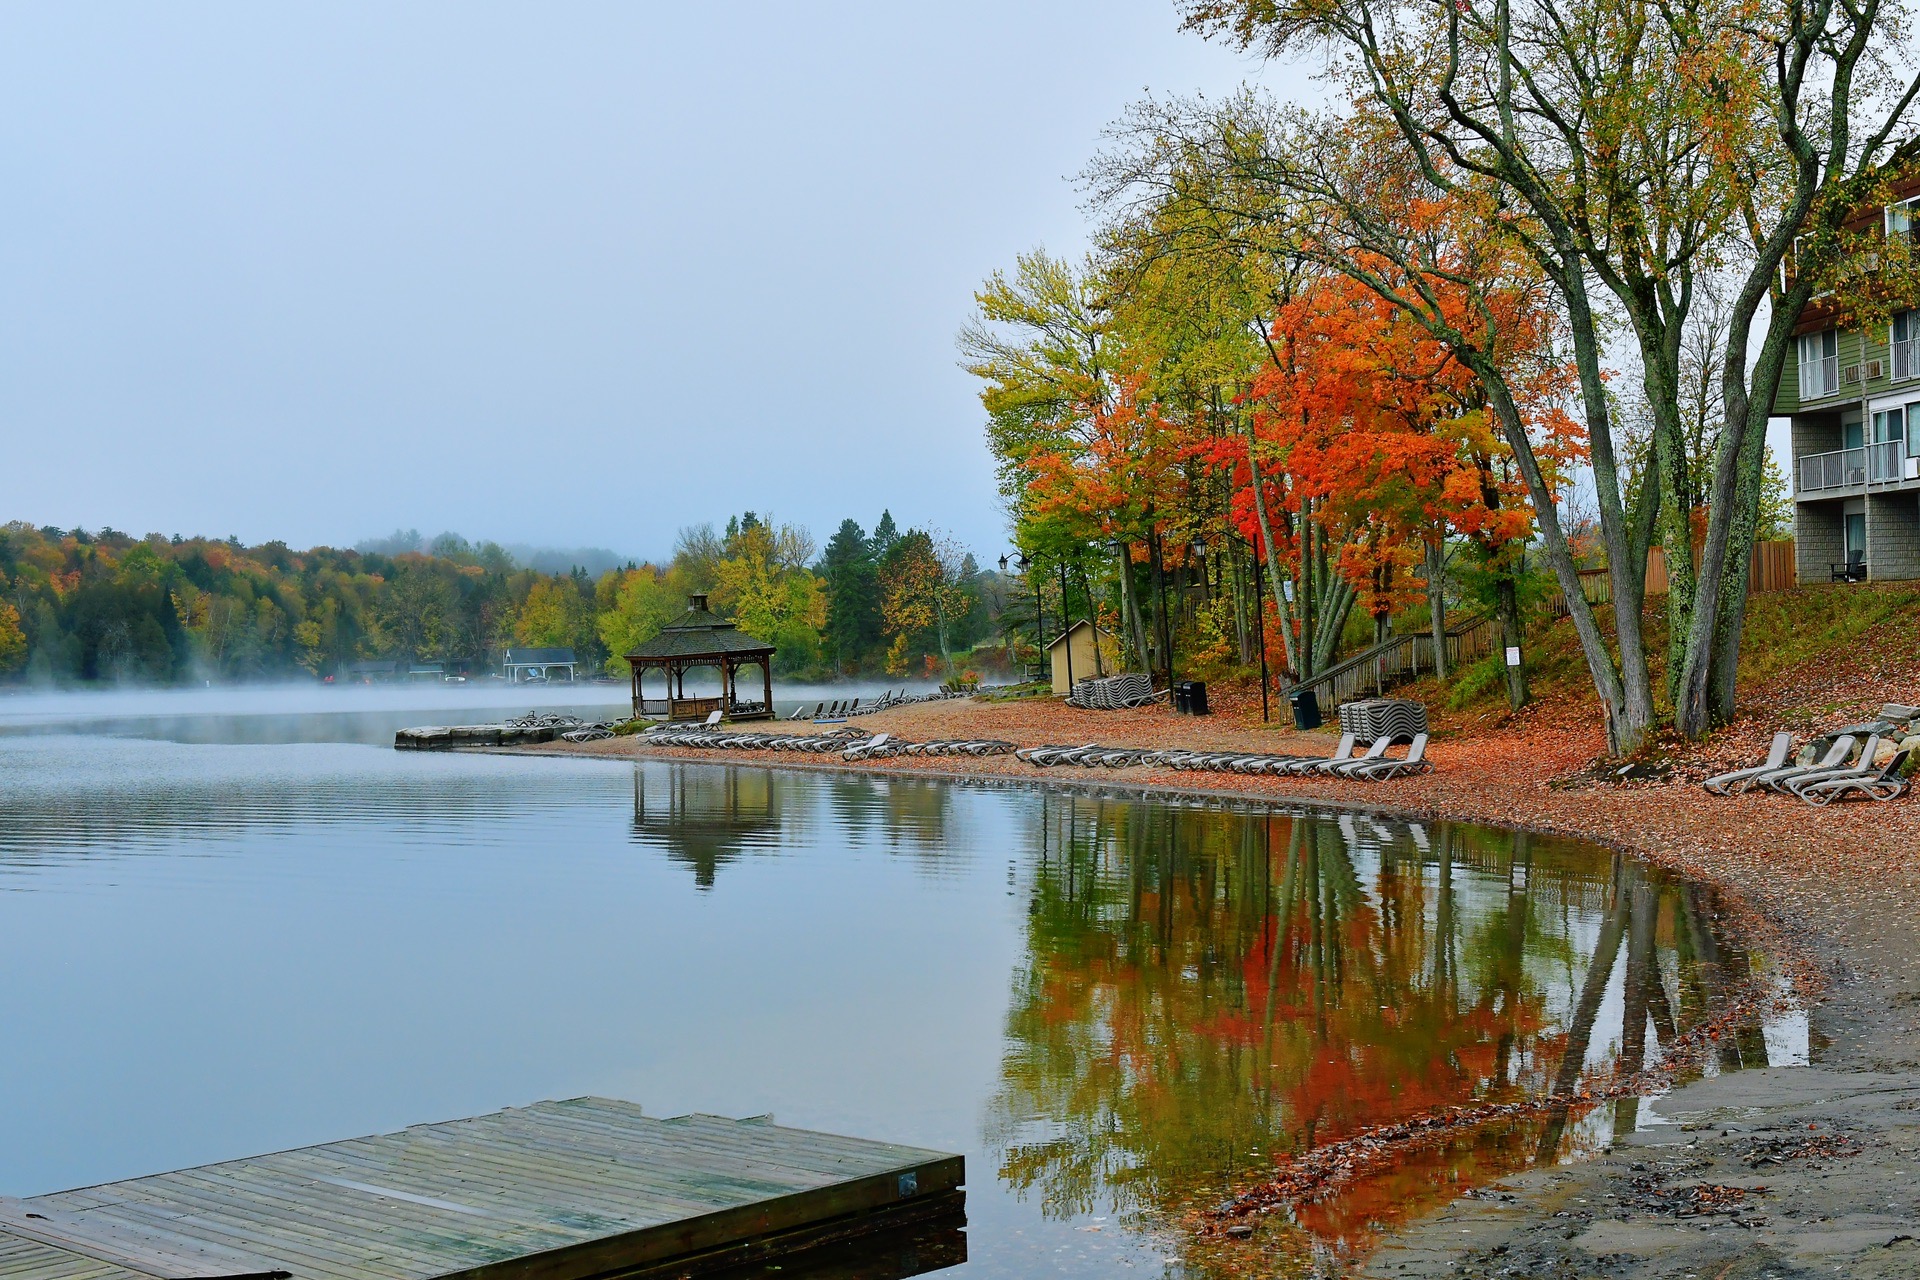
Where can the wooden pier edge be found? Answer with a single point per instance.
(587, 1189)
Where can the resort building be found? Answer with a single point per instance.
(520, 666)
(1853, 398)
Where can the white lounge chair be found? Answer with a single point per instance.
(1872, 784)
(1742, 778)
(1836, 757)
(1341, 754)
(1345, 768)
(1861, 767)
(1415, 761)
(1862, 764)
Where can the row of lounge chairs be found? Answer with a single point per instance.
(1374, 765)
(853, 744)
(844, 708)
(1839, 774)
(957, 747)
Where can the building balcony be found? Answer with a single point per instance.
(1845, 469)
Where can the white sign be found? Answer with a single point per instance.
(1286, 589)
(1513, 655)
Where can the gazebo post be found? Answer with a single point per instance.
(766, 675)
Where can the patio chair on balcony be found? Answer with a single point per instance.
(1854, 570)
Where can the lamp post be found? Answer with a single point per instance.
(1021, 562)
(1260, 628)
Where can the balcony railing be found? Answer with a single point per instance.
(1905, 359)
(1853, 468)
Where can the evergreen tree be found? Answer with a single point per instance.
(853, 595)
(885, 534)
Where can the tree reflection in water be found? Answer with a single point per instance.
(1205, 991)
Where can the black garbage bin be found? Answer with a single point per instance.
(1306, 708)
(1196, 697)
(1179, 697)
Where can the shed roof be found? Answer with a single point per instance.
(698, 633)
(538, 657)
(1082, 624)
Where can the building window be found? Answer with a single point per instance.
(1903, 219)
(1904, 345)
(1819, 364)
(1889, 424)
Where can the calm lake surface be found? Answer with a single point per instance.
(225, 933)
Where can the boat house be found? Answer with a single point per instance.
(699, 638)
(522, 665)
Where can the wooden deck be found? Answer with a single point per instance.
(556, 1191)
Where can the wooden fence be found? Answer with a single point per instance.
(1772, 567)
(1772, 570)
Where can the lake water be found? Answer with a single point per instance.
(226, 933)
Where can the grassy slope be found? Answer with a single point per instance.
(1808, 655)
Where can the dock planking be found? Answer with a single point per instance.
(576, 1190)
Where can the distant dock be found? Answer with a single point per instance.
(557, 1191)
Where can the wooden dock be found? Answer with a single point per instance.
(557, 1191)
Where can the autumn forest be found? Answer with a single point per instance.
(82, 607)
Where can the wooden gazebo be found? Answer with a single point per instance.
(697, 638)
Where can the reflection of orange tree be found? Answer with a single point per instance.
(1207, 990)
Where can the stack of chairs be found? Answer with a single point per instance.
(1375, 718)
(1112, 693)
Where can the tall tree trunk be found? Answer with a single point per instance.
(1628, 706)
(1130, 605)
(1730, 501)
(1723, 674)
(1508, 595)
(1437, 604)
(1236, 585)
(1274, 577)
(1309, 602)
(1337, 598)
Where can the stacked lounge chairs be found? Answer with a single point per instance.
(1112, 693)
(1371, 719)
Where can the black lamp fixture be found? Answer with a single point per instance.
(1003, 564)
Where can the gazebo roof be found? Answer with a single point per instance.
(697, 633)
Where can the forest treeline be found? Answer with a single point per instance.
(80, 607)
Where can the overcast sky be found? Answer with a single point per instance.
(562, 274)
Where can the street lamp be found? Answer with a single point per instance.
(1020, 562)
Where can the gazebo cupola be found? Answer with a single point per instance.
(700, 638)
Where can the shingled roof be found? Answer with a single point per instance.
(697, 633)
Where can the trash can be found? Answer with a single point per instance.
(1178, 696)
(1306, 708)
(1196, 697)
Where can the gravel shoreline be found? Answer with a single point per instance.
(1831, 895)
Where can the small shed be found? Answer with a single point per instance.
(700, 638)
(1074, 654)
(372, 669)
(521, 665)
